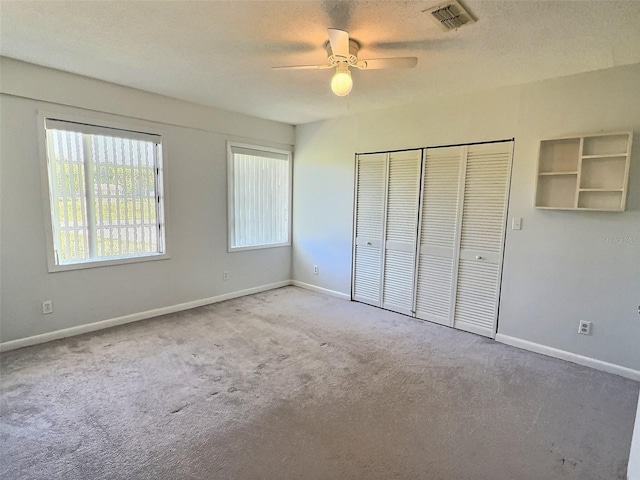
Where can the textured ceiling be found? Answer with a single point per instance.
(219, 53)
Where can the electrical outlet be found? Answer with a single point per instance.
(584, 328)
(47, 307)
(315, 269)
(225, 275)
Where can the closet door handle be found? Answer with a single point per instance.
(369, 243)
(478, 257)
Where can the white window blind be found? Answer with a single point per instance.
(105, 191)
(259, 197)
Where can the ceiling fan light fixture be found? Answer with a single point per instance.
(341, 82)
(342, 53)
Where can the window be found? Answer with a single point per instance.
(259, 197)
(105, 195)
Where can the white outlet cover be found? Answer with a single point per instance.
(516, 223)
(584, 327)
(47, 307)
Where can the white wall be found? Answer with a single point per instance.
(559, 268)
(196, 203)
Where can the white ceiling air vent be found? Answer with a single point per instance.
(450, 15)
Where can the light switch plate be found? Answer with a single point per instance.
(516, 223)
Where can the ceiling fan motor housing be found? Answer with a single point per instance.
(352, 59)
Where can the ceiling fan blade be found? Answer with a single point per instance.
(339, 40)
(302, 67)
(378, 63)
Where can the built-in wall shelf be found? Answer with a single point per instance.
(587, 172)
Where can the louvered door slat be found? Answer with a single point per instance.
(370, 196)
(369, 221)
(401, 224)
(481, 238)
(484, 198)
(441, 176)
(433, 296)
(398, 281)
(367, 274)
(476, 307)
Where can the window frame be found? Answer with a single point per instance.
(47, 193)
(230, 194)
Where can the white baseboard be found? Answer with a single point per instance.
(571, 357)
(326, 291)
(633, 469)
(92, 327)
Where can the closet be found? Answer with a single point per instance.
(387, 190)
(429, 229)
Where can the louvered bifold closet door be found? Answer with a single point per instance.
(401, 230)
(438, 234)
(481, 238)
(369, 227)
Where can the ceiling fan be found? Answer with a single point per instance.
(342, 53)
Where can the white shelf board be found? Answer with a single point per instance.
(605, 155)
(557, 173)
(613, 190)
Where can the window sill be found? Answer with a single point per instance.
(107, 263)
(258, 247)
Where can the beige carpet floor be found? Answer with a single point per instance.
(291, 384)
